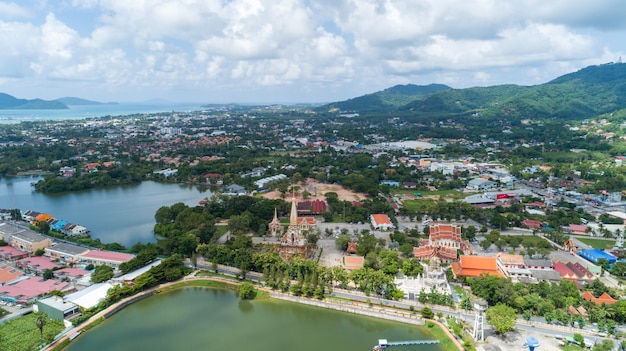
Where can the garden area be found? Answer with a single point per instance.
(28, 332)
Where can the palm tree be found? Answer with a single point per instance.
(40, 322)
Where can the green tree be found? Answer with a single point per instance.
(579, 339)
(426, 312)
(246, 291)
(40, 322)
(48, 274)
(102, 274)
(501, 317)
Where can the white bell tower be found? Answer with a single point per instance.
(480, 306)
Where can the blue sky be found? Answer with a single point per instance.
(214, 51)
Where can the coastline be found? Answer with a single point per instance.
(401, 317)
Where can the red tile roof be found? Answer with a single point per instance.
(9, 252)
(108, 256)
(39, 263)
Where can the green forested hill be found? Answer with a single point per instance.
(591, 91)
(586, 93)
(386, 100)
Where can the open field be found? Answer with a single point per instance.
(318, 190)
(598, 243)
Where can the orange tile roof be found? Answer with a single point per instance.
(8, 273)
(43, 217)
(353, 262)
(474, 266)
(381, 219)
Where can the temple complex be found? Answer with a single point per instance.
(293, 241)
(444, 241)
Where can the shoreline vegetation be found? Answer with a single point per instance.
(447, 341)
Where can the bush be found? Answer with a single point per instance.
(246, 291)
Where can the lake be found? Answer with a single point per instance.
(215, 319)
(123, 214)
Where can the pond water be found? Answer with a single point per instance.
(215, 319)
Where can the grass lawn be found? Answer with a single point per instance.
(221, 230)
(458, 289)
(451, 194)
(598, 243)
(415, 205)
(446, 343)
(534, 241)
(22, 333)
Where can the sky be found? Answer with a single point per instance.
(287, 51)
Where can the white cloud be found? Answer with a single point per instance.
(319, 46)
(10, 10)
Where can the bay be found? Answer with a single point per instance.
(91, 111)
(122, 214)
(215, 319)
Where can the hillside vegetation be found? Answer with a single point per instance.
(589, 92)
(389, 99)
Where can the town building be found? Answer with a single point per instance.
(9, 253)
(57, 308)
(65, 252)
(108, 258)
(90, 296)
(27, 290)
(71, 274)
(602, 299)
(9, 274)
(381, 222)
(29, 241)
(37, 264)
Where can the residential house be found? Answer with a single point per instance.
(235, 190)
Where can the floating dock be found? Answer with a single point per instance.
(383, 343)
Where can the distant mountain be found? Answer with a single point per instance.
(78, 101)
(588, 92)
(386, 100)
(8, 102)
